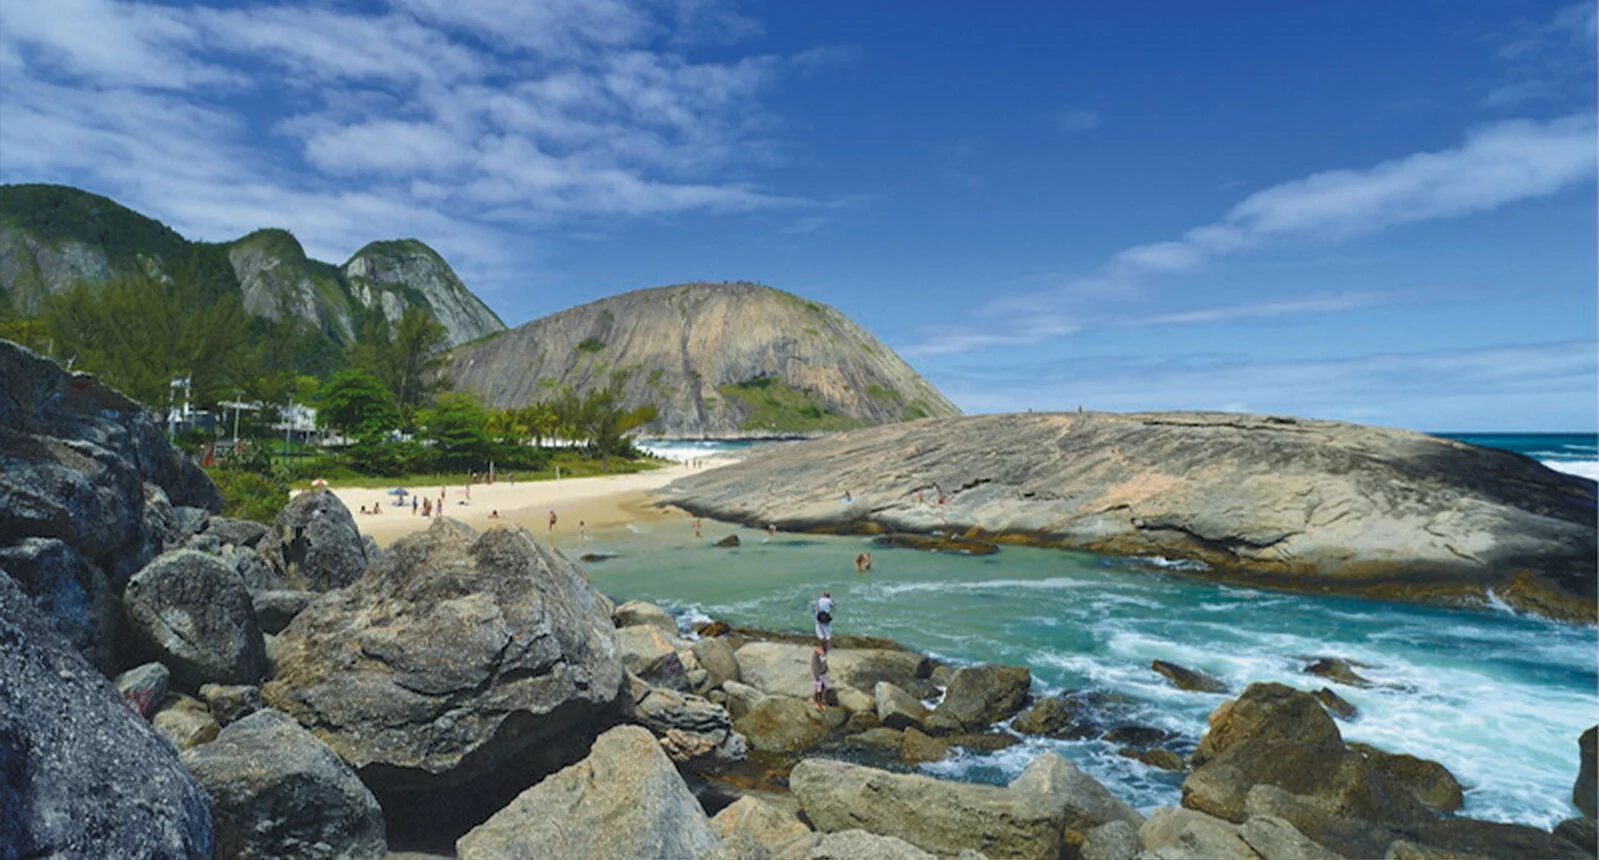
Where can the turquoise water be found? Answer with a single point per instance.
(1498, 698)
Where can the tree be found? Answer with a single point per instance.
(456, 427)
(406, 357)
(606, 425)
(356, 404)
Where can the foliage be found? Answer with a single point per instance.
(600, 419)
(456, 429)
(249, 495)
(406, 357)
(357, 405)
(771, 404)
(592, 344)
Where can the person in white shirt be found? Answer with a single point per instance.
(824, 620)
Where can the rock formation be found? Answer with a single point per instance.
(715, 359)
(1275, 501)
(193, 613)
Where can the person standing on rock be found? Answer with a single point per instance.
(824, 622)
(819, 676)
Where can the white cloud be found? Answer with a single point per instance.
(1272, 309)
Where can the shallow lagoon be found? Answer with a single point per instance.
(1499, 699)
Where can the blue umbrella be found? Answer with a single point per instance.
(398, 491)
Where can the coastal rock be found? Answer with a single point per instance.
(624, 800)
(641, 645)
(937, 543)
(194, 614)
(455, 661)
(730, 540)
(1143, 737)
(701, 733)
(896, 708)
(314, 543)
(1583, 791)
(144, 687)
(784, 669)
(1053, 716)
(1081, 800)
(1163, 759)
(274, 609)
(239, 533)
(741, 698)
(1581, 832)
(980, 695)
(80, 467)
(276, 791)
(716, 657)
(1188, 679)
(1282, 502)
(1430, 782)
(1113, 840)
(229, 703)
(1334, 669)
(1335, 704)
(1276, 839)
(982, 741)
(636, 612)
(782, 724)
(916, 747)
(861, 845)
(1183, 834)
(185, 721)
(83, 775)
(777, 831)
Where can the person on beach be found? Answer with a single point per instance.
(696, 528)
(427, 507)
(819, 676)
(413, 505)
(582, 528)
(552, 521)
(494, 514)
(863, 562)
(824, 620)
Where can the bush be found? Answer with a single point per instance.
(248, 495)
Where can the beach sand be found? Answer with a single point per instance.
(599, 502)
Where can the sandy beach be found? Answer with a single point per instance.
(596, 502)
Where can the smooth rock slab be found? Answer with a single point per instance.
(624, 800)
(194, 613)
(862, 845)
(276, 791)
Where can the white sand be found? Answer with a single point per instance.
(597, 502)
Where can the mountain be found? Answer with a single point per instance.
(728, 359)
(53, 236)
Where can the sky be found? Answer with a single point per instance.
(1372, 212)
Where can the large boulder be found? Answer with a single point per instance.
(785, 669)
(193, 613)
(1183, 834)
(636, 612)
(87, 487)
(455, 661)
(694, 731)
(1583, 791)
(716, 657)
(775, 830)
(863, 845)
(782, 724)
(82, 774)
(624, 800)
(1026, 819)
(896, 708)
(239, 533)
(314, 543)
(277, 791)
(641, 645)
(980, 695)
(1290, 502)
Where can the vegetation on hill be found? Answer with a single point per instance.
(772, 404)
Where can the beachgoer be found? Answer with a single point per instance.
(582, 528)
(494, 514)
(824, 620)
(427, 507)
(863, 562)
(363, 509)
(414, 500)
(696, 528)
(819, 676)
(771, 529)
(469, 492)
(552, 521)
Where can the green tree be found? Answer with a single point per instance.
(602, 420)
(456, 426)
(406, 357)
(356, 404)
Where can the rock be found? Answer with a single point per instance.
(144, 687)
(194, 614)
(1113, 840)
(982, 742)
(1188, 679)
(381, 273)
(877, 738)
(785, 669)
(275, 609)
(1316, 820)
(980, 695)
(636, 612)
(1581, 832)
(1078, 797)
(188, 521)
(314, 543)
(455, 661)
(896, 708)
(642, 645)
(1276, 839)
(82, 774)
(276, 791)
(227, 530)
(782, 724)
(1335, 704)
(253, 569)
(1583, 790)
(1339, 671)
(87, 485)
(716, 656)
(730, 540)
(1163, 759)
(1290, 502)
(937, 543)
(1053, 716)
(741, 698)
(229, 703)
(916, 747)
(775, 830)
(669, 671)
(185, 721)
(701, 733)
(624, 800)
(1183, 834)
(861, 845)
(711, 629)
(1496, 839)
(1430, 782)
(1138, 736)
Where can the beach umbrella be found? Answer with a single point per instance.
(398, 491)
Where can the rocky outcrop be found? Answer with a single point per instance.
(192, 612)
(694, 732)
(979, 695)
(395, 274)
(783, 669)
(778, 832)
(314, 543)
(456, 663)
(276, 791)
(624, 800)
(82, 774)
(715, 359)
(1583, 791)
(88, 485)
(1187, 679)
(1282, 502)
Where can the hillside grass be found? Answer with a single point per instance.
(771, 404)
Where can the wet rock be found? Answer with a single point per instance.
(1163, 759)
(980, 695)
(185, 721)
(1188, 679)
(1137, 736)
(896, 708)
(1497, 839)
(1430, 782)
(194, 614)
(862, 845)
(916, 747)
(625, 799)
(782, 724)
(276, 791)
(1337, 670)
(1583, 791)
(710, 629)
(636, 612)
(785, 669)
(144, 687)
(937, 543)
(1335, 704)
(456, 661)
(314, 543)
(1581, 832)
(1056, 717)
(83, 775)
(982, 742)
(730, 540)
(229, 703)
(276, 608)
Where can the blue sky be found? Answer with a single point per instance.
(1377, 212)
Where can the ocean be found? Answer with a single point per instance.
(1498, 698)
